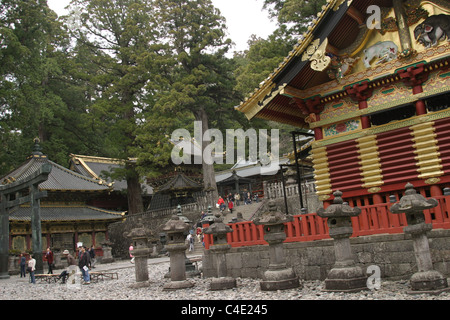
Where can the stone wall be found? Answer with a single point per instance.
(393, 253)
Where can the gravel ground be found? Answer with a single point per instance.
(17, 288)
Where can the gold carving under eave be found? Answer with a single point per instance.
(370, 165)
(321, 172)
(425, 143)
(317, 55)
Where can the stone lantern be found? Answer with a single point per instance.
(191, 270)
(209, 217)
(345, 276)
(176, 246)
(141, 251)
(220, 247)
(279, 276)
(426, 280)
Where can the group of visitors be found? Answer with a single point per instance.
(86, 261)
(232, 199)
(198, 235)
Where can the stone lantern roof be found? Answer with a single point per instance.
(272, 216)
(218, 227)
(338, 208)
(139, 233)
(175, 225)
(412, 202)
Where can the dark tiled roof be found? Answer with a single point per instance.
(180, 182)
(60, 178)
(65, 213)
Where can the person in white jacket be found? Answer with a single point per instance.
(32, 268)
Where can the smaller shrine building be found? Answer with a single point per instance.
(68, 215)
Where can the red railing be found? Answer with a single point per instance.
(374, 219)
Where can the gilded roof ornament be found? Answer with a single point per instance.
(317, 55)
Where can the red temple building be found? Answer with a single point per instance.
(375, 96)
(374, 87)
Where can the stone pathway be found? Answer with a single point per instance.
(17, 288)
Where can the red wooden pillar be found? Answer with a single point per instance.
(415, 76)
(360, 93)
(49, 239)
(93, 238)
(28, 241)
(312, 109)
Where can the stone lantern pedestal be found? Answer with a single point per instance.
(345, 276)
(141, 252)
(279, 276)
(107, 255)
(220, 247)
(176, 246)
(426, 280)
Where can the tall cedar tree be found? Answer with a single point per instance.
(122, 37)
(202, 80)
(30, 105)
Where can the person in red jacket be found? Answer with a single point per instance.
(230, 206)
(49, 258)
(221, 204)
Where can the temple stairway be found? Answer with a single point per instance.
(247, 210)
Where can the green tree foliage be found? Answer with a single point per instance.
(264, 55)
(34, 89)
(294, 15)
(114, 78)
(121, 38)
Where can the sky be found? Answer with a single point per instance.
(244, 18)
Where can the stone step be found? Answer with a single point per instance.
(247, 210)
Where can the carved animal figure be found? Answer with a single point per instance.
(433, 29)
(385, 51)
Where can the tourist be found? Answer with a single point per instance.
(190, 239)
(70, 259)
(199, 234)
(49, 258)
(237, 197)
(92, 256)
(221, 204)
(230, 206)
(130, 250)
(32, 268)
(23, 263)
(70, 262)
(83, 263)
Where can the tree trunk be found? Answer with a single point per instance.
(209, 177)
(134, 192)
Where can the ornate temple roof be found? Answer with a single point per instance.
(302, 81)
(59, 179)
(94, 167)
(180, 182)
